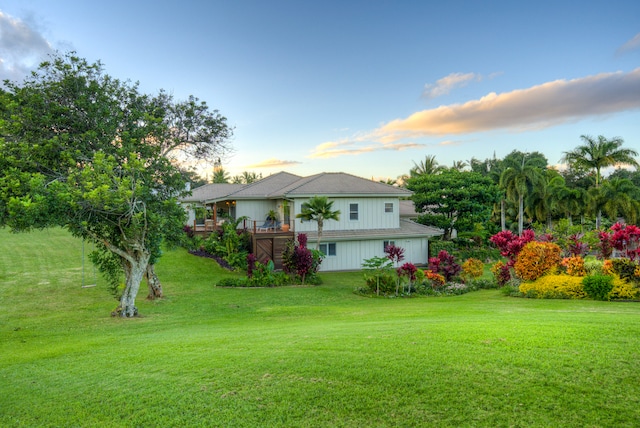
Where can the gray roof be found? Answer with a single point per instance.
(341, 184)
(285, 185)
(212, 192)
(267, 186)
(408, 209)
(407, 229)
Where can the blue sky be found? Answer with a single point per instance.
(364, 87)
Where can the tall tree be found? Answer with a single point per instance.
(619, 198)
(596, 154)
(564, 200)
(453, 200)
(84, 151)
(427, 166)
(220, 175)
(518, 180)
(318, 209)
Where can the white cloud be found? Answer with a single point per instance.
(21, 48)
(446, 84)
(630, 45)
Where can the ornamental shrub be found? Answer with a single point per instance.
(535, 259)
(574, 266)
(435, 279)
(501, 273)
(472, 268)
(607, 267)
(623, 290)
(593, 266)
(554, 286)
(624, 268)
(384, 283)
(445, 265)
(511, 244)
(598, 287)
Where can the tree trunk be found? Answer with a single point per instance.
(503, 216)
(135, 267)
(155, 287)
(520, 214)
(599, 220)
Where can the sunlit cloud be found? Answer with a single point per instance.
(446, 84)
(631, 45)
(22, 48)
(450, 143)
(538, 107)
(273, 163)
(542, 106)
(323, 151)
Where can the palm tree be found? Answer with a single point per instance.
(540, 201)
(565, 200)
(318, 209)
(619, 198)
(220, 175)
(595, 155)
(428, 166)
(459, 165)
(518, 180)
(250, 177)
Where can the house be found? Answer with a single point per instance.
(370, 216)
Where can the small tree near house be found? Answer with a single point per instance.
(318, 209)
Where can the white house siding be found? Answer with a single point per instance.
(255, 209)
(351, 254)
(371, 215)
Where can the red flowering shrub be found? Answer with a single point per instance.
(535, 259)
(510, 244)
(575, 247)
(445, 265)
(395, 254)
(605, 246)
(626, 238)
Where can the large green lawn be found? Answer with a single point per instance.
(299, 356)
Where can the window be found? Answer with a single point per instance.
(385, 244)
(353, 211)
(388, 207)
(328, 249)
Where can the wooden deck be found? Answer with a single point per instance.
(267, 243)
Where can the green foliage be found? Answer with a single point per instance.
(383, 283)
(598, 287)
(87, 152)
(318, 209)
(483, 283)
(374, 269)
(625, 268)
(230, 243)
(436, 246)
(453, 199)
(593, 266)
